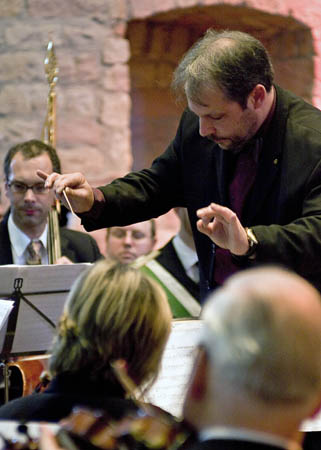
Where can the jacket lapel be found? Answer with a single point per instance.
(66, 250)
(5, 253)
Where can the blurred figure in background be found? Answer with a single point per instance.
(175, 267)
(125, 244)
(179, 256)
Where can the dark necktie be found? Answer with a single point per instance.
(242, 181)
(34, 252)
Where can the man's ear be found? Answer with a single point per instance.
(257, 96)
(199, 379)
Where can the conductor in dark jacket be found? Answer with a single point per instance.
(245, 162)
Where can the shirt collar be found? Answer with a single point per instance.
(186, 255)
(245, 434)
(19, 240)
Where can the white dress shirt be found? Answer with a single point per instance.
(188, 258)
(20, 241)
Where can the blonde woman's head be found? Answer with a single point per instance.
(113, 312)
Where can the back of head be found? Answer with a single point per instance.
(31, 149)
(113, 312)
(263, 337)
(232, 61)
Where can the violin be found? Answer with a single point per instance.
(149, 427)
(25, 374)
(85, 429)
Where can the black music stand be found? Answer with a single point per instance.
(39, 294)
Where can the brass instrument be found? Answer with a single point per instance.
(48, 135)
(26, 371)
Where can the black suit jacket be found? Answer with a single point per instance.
(168, 258)
(283, 207)
(78, 247)
(64, 393)
(230, 444)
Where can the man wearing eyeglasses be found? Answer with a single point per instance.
(30, 203)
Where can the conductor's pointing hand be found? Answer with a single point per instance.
(73, 190)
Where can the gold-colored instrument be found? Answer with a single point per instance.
(49, 137)
(25, 371)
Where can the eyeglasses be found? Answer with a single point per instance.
(18, 187)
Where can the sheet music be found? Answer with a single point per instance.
(168, 392)
(5, 308)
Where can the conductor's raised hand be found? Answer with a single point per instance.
(222, 225)
(79, 192)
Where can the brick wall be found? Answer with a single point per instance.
(115, 57)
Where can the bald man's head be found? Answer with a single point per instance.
(259, 365)
(263, 332)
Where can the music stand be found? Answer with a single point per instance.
(39, 294)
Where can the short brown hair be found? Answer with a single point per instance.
(233, 61)
(31, 149)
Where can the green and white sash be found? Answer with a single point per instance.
(182, 303)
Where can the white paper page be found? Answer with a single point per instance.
(168, 392)
(312, 424)
(5, 309)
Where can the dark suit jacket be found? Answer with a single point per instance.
(229, 444)
(78, 247)
(65, 392)
(168, 258)
(312, 440)
(283, 207)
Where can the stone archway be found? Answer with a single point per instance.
(158, 42)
